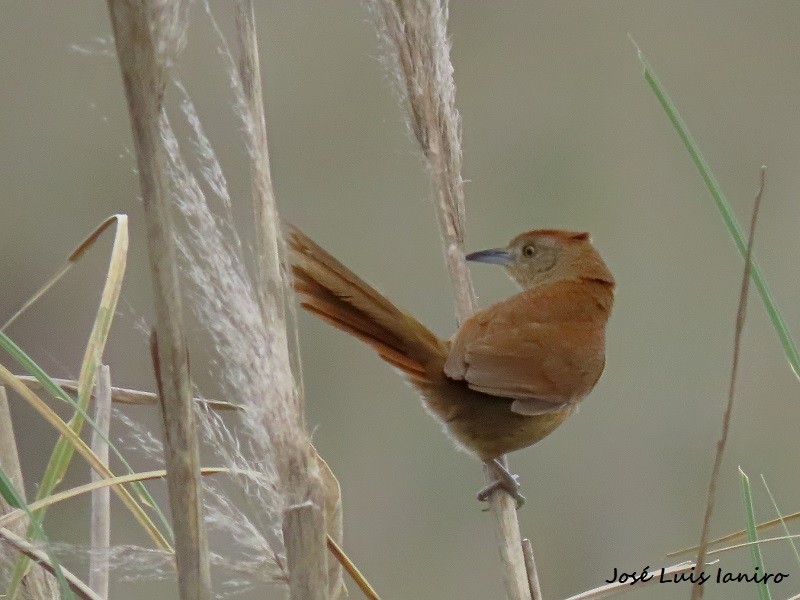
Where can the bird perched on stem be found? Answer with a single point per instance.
(514, 371)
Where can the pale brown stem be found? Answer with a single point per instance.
(100, 529)
(37, 584)
(22, 546)
(267, 240)
(123, 395)
(697, 588)
(352, 570)
(303, 532)
(145, 32)
(509, 542)
(530, 567)
(309, 553)
(9, 458)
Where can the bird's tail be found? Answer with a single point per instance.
(333, 292)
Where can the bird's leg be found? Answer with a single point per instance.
(504, 479)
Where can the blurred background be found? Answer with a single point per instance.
(560, 130)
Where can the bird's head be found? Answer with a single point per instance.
(545, 256)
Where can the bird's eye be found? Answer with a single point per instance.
(528, 251)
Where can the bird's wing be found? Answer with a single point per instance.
(520, 351)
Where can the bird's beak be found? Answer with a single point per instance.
(495, 256)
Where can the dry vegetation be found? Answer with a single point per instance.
(269, 496)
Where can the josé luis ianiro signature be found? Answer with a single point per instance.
(718, 575)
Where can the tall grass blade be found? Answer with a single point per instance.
(735, 231)
(752, 536)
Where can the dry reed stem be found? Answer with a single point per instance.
(87, 488)
(303, 533)
(124, 395)
(271, 284)
(9, 458)
(530, 565)
(697, 588)
(268, 238)
(36, 585)
(415, 32)
(147, 34)
(22, 546)
(245, 320)
(272, 290)
(100, 524)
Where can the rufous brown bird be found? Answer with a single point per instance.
(514, 371)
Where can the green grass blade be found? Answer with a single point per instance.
(785, 336)
(14, 499)
(752, 536)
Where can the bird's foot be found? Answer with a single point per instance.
(504, 479)
(484, 494)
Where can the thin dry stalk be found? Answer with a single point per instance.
(37, 585)
(415, 32)
(86, 488)
(268, 238)
(100, 528)
(9, 458)
(124, 395)
(272, 297)
(22, 546)
(245, 320)
(697, 588)
(352, 570)
(147, 34)
(530, 565)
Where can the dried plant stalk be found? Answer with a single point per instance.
(307, 561)
(123, 395)
(415, 32)
(23, 546)
(267, 240)
(100, 528)
(530, 565)
(303, 532)
(741, 313)
(147, 34)
(37, 584)
(246, 320)
(270, 285)
(9, 458)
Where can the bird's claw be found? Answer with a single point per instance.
(484, 494)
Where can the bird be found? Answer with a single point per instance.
(512, 372)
